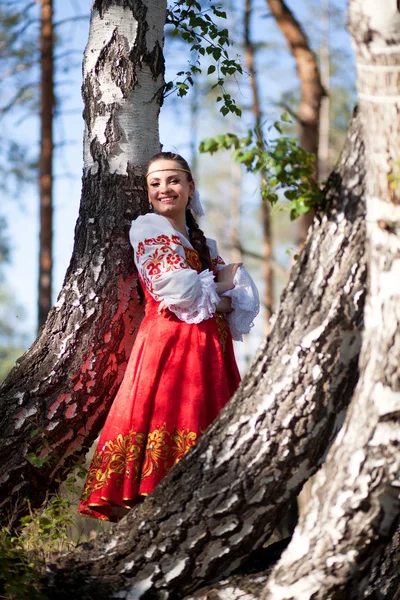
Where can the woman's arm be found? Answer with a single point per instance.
(224, 305)
(225, 278)
(161, 262)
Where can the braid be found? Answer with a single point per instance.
(198, 241)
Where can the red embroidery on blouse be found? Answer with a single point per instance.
(215, 262)
(163, 259)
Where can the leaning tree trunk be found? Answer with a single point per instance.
(55, 400)
(46, 161)
(312, 90)
(226, 496)
(355, 502)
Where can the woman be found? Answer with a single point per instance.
(182, 368)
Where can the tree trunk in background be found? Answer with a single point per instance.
(311, 88)
(46, 161)
(324, 118)
(227, 495)
(56, 398)
(355, 503)
(266, 248)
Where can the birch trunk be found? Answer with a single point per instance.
(227, 495)
(355, 502)
(56, 398)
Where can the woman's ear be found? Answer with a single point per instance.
(192, 187)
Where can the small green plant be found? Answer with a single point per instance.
(43, 535)
(285, 167)
(20, 571)
(196, 26)
(45, 530)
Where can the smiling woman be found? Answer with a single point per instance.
(169, 189)
(182, 369)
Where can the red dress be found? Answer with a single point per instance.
(179, 377)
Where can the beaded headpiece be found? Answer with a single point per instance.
(175, 169)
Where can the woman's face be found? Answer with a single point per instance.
(168, 188)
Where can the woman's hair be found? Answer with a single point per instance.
(197, 237)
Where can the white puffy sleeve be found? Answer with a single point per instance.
(161, 263)
(244, 297)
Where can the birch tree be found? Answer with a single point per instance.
(227, 495)
(56, 398)
(355, 503)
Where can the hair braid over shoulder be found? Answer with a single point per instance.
(198, 241)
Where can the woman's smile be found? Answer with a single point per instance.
(167, 199)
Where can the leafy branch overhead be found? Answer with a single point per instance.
(196, 25)
(287, 168)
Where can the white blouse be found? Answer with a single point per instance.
(160, 258)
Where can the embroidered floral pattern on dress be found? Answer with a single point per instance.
(182, 441)
(163, 260)
(122, 457)
(193, 259)
(218, 260)
(156, 451)
(223, 330)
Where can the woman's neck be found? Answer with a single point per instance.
(179, 223)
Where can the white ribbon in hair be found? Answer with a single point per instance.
(195, 205)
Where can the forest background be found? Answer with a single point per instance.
(231, 196)
(250, 465)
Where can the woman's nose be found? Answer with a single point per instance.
(164, 187)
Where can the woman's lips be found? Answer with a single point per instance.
(167, 199)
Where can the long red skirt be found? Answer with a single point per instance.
(178, 378)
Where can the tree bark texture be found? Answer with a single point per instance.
(311, 93)
(46, 162)
(384, 578)
(56, 398)
(355, 504)
(227, 495)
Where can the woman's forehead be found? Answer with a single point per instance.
(163, 167)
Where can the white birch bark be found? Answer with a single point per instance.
(355, 500)
(64, 385)
(125, 130)
(226, 496)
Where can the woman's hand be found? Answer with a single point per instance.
(225, 277)
(224, 305)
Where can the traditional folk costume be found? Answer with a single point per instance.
(181, 371)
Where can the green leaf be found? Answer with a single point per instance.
(211, 69)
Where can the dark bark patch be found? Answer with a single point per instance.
(137, 7)
(91, 95)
